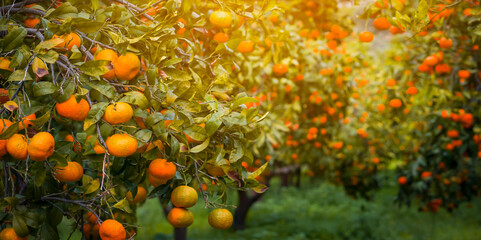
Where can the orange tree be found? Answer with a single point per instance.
(107, 103)
(427, 101)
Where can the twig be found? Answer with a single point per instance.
(80, 203)
(204, 195)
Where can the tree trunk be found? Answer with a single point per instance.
(245, 203)
(284, 179)
(298, 177)
(179, 233)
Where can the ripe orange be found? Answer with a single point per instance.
(3, 92)
(4, 64)
(431, 60)
(9, 234)
(118, 113)
(391, 82)
(26, 121)
(220, 218)
(245, 47)
(17, 146)
(139, 197)
(70, 173)
(445, 43)
(109, 55)
(121, 145)
(464, 74)
(31, 22)
(69, 40)
(127, 67)
(412, 90)
(92, 218)
(366, 36)
(402, 180)
(72, 109)
(41, 146)
(381, 23)
(180, 217)
(97, 148)
(380, 107)
(4, 124)
(395, 103)
(221, 19)
(280, 69)
(221, 37)
(184, 196)
(112, 230)
(160, 171)
(453, 133)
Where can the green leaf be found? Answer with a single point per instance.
(19, 226)
(65, 10)
(95, 114)
(104, 88)
(123, 205)
(91, 187)
(9, 132)
(95, 68)
(19, 75)
(61, 161)
(136, 98)
(50, 57)
(177, 74)
(42, 47)
(258, 172)
(200, 147)
(197, 133)
(44, 88)
(243, 100)
(13, 39)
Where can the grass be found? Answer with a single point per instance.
(323, 212)
(319, 211)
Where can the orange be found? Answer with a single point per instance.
(366, 36)
(464, 74)
(26, 121)
(453, 133)
(184, 196)
(112, 230)
(180, 217)
(395, 103)
(160, 171)
(4, 124)
(121, 145)
(31, 22)
(4, 64)
(221, 37)
(402, 180)
(69, 40)
(72, 109)
(70, 173)
(445, 43)
(41, 146)
(380, 107)
(76, 145)
(127, 67)
(221, 19)
(9, 234)
(92, 218)
(412, 90)
(280, 69)
(220, 218)
(431, 60)
(391, 82)
(3, 93)
(381, 23)
(245, 47)
(139, 197)
(17, 146)
(111, 56)
(97, 148)
(118, 113)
